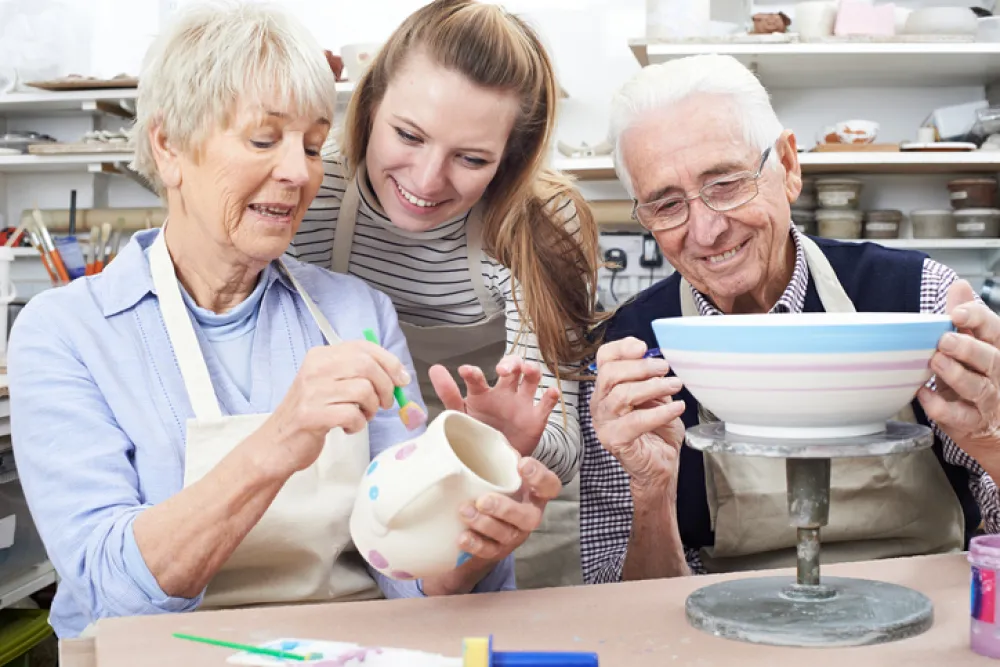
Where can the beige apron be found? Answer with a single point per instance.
(880, 506)
(301, 548)
(551, 555)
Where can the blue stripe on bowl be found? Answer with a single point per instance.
(700, 334)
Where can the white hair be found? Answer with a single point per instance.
(216, 55)
(663, 85)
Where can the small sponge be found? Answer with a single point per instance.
(412, 416)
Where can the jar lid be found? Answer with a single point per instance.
(830, 214)
(932, 211)
(837, 181)
(976, 212)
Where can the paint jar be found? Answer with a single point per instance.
(984, 633)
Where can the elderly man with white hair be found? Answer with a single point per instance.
(712, 173)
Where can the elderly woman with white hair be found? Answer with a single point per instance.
(191, 425)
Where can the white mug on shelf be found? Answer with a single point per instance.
(357, 58)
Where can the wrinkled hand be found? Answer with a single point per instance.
(966, 402)
(509, 406)
(498, 524)
(341, 385)
(634, 414)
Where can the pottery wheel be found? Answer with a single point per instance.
(809, 610)
(897, 438)
(776, 611)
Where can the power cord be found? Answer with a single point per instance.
(617, 260)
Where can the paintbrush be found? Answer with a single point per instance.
(412, 416)
(274, 653)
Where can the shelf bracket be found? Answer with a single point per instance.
(123, 169)
(110, 108)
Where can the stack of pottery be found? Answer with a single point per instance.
(804, 208)
(974, 204)
(838, 215)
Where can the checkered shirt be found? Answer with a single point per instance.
(605, 495)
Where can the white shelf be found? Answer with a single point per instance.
(934, 244)
(112, 100)
(900, 163)
(841, 64)
(601, 168)
(120, 101)
(29, 583)
(88, 162)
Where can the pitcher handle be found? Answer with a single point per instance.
(394, 499)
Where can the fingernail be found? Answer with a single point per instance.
(466, 542)
(674, 384)
(403, 379)
(960, 315)
(528, 467)
(469, 512)
(949, 342)
(487, 504)
(463, 557)
(503, 368)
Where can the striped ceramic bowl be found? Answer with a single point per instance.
(810, 375)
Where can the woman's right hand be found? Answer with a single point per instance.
(341, 385)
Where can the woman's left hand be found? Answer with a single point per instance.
(509, 406)
(497, 525)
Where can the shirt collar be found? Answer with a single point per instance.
(128, 279)
(793, 299)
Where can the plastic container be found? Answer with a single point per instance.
(72, 256)
(807, 197)
(838, 193)
(933, 224)
(973, 192)
(882, 224)
(805, 221)
(977, 223)
(984, 633)
(839, 223)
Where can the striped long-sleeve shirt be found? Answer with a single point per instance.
(426, 275)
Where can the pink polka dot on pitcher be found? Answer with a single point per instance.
(399, 574)
(377, 560)
(405, 451)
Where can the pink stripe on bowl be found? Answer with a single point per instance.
(737, 390)
(914, 365)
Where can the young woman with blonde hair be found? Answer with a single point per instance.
(439, 196)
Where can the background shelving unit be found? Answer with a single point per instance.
(814, 85)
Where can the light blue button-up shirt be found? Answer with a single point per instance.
(98, 413)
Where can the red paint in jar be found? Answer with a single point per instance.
(984, 633)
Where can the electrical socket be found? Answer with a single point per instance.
(651, 257)
(616, 256)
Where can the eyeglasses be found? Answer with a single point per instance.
(723, 194)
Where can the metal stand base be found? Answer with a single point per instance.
(808, 611)
(842, 612)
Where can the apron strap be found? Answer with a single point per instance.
(831, 292)
(474, 252)
(180, 331)
(324, 324)
(343, 235)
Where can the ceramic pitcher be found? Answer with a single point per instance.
(406, 521)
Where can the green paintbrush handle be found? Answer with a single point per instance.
(274, 653)
(396, 391)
